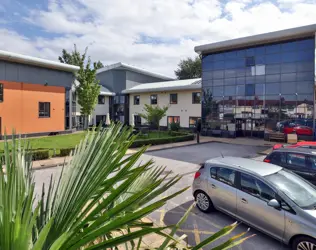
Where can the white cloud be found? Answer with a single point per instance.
(113, 29)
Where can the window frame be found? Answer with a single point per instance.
(151, 99)
(39, 110)
(172, 116)
(135, 99)
(170, 98)
(103, 98)
(1, 92)
(248, 63)
(234, 184)
(195, 117)
(193, 99)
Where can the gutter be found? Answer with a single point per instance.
(190, 87)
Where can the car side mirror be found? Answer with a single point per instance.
(274, 203)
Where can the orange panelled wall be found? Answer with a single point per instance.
(19, 109)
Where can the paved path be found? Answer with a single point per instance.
(199, 225)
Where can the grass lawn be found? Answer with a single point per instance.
(154, 135)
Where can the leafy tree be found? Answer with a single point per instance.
(88, 88)
(153, 114)
(189, 68)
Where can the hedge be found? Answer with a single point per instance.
(65, 151)
(158, 141)
(36, 154)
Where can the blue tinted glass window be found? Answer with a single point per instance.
(273, 58)
(305, 66)
(288, 87)
(219, 82)
(207, 82)
(231, 54)
(250, 79)
(207, 66)
(249, 71)
(273, 69)
(305, 87)
(288, 77)
(218, 65)
(208, 58)
(241, 89)
(289, 46)
(240, 72)
(273, 78)
(289, 57)
(305, 76)
(260, 51)
(250, 52)
(240, 80)
(230, 64)
(288, 67)
(250, 90)
(250, 61)
(229, 90)
(260, 79)
(272, 88)
(305, 98)
(241, 53)
(230, 73)
(229, 81)
(306, 55)
(218, 74)
(219, 57)
(240, 62)
(306, 44)
(260, 60)
(259, 89)
(218, 91)
(270, 49)
(207, 75)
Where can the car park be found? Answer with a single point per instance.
(301, 161)
(264, 196)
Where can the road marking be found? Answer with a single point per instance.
(196, 233)
(192, 231)
(162, 216)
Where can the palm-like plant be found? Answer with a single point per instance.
(98, 201)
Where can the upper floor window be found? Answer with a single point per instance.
(101, 99)
(136, 100)
(44, 109)
(1, 92)
(250, 61)
(196, 97)
(173, 98)
(153, 99)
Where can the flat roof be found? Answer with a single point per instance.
(165, 86)
(126, 66)
(29, 60)
(271, 37)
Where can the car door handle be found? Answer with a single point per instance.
(244, 201)
(213, 186)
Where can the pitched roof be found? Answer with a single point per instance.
(29, 60)
(105, 91)
(134, 69)
(271, 37)
(165, 86)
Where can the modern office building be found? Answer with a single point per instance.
(33, 94)
(256, 85)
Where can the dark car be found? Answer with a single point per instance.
(301, 161)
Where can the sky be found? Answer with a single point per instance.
(152, 34)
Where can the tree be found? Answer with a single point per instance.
(98, 202)
(153, 114)
(189, 68)
(88, 88)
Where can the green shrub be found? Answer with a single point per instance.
(40, 155)
(174, 126)
(158, 141)
(65, 151)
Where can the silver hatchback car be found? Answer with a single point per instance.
(264, 196)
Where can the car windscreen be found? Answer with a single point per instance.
(298, 190)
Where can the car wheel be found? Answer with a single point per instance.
(203, 202)
(304, 243)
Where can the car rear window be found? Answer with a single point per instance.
(295, 159)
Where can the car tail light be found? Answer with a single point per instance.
(267, 160)
(197, 175)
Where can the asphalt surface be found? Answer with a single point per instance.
(202, 152)
(198, 226)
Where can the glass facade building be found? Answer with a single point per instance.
(257, 90)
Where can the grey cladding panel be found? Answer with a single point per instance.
(106, 79)
(119, 80)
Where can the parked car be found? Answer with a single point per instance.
(297, 129)
(302, 161)
(264, 196)
(303, 144)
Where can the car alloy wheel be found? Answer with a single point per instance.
(202, 201)
(305, 245)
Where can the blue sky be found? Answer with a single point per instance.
(153, 34)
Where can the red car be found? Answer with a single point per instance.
(303, 144)
(298, 129)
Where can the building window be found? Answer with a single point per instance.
(44, 109)
(153, 99)
(250, 61)
(136, 100)
(1, 92)
(137, 120)
(173, 119)
(100, 119)
(173, 98)
(192, 121)
(196, 97)
(101, 99)
(250, 90)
